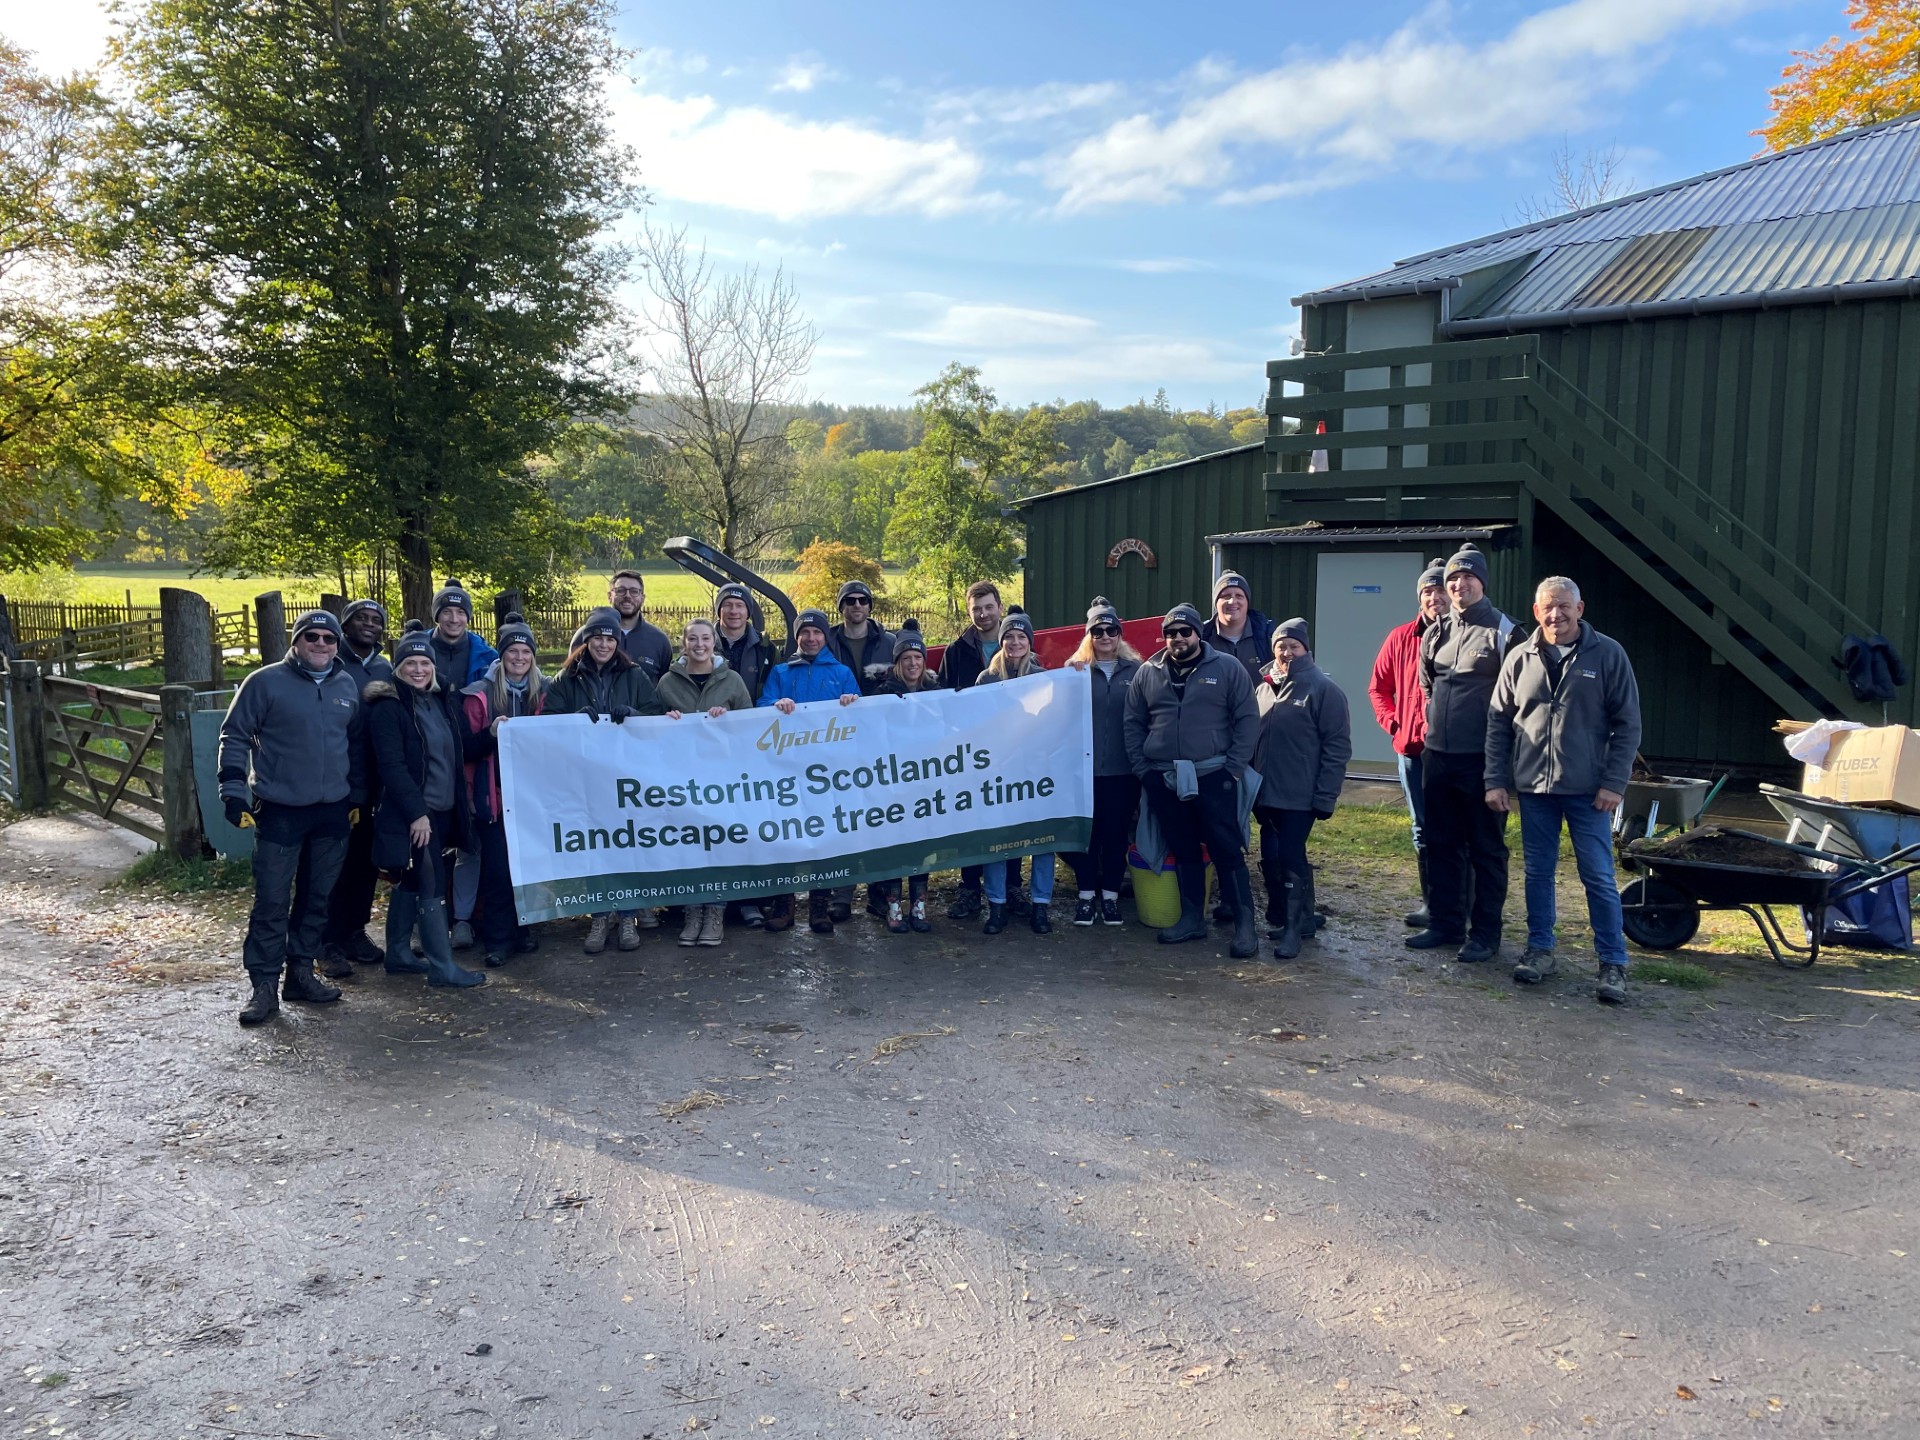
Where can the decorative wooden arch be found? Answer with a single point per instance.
(1132, 547)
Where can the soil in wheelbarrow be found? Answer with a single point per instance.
(1710, 848)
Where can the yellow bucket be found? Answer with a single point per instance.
(1156, 898)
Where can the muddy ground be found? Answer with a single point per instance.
(1114, 1189)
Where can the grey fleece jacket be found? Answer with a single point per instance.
(300, 738)
(1216, 716)
(1459, 660)
(1306, 739)
(1568, 739)
(1110, 717)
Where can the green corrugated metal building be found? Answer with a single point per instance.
(1701, 402)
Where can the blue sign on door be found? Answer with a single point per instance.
(1366, 589)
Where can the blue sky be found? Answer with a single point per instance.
(1101, 200)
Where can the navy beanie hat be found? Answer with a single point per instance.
(601, 620)
(455, 594)
(1434, 574)
(354, 607)
(317, 620)
(514, 630)
(908, 638)
(810, 616)
(1469, 559)
(1181, 614)
(1101, 612)
(415, 641)
(1294, 629)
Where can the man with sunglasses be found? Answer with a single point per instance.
(363, 625)
(857, 642)
(293, 736)
(1190, 730)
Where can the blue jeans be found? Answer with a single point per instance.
(994, 876)
(1591, 831)
(1416, 799)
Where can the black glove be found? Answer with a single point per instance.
(1323, 814)
(235, 809)
(620, 714)
(593, 715)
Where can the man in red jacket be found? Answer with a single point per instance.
(1401, 708)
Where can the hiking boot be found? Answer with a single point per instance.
(917, 916)
(1536, 965)
(1018, 901)
(363, 951)
(596, 935)
(1110, 910)
(334, 963)
(779, 914)
(1431, 939)
(820, 915)
(265, 1003)
(495, 959)
(463, 935)
(1476, 951)
(996, 918)
(1611, 987)
(713, 924)
(752, 917)
(690, 929)
(630, 931)
(897, 917)
(1083, 912)
(965, 905)
(301, 985)
(1040, 921)
(647, 919)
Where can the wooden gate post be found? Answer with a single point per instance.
(9, 647)
(179, 796)
(186, 639)
(332, 604)
(270, 623)
(29, 701)
(504, 604)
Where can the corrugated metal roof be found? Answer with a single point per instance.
(1838, 211)
(1315, 533)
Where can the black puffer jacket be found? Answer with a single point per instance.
(393, 720)
(1306, 739)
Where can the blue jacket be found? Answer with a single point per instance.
(804, 681)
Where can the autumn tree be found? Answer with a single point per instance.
(824, 566)
(1862, 82)
(374, 230)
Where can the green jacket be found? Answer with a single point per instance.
(677, 691)
(622, 685)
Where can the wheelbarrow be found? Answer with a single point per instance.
(1860, 832)
(1661, 907)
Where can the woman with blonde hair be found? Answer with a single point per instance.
(701, 682)
(512, 687)
(1116, 790)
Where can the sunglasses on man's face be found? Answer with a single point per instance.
(319, 637)
(1104, 630)
(1177, 632)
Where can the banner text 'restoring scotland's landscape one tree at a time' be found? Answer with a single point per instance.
(701, 810)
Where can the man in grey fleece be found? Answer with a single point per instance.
(1460, 658)
(294, 729)
(1190, 728)
(1562, 729)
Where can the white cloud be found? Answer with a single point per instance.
(968, 327)
(800, 76)
(1359, 111)
(767, 163)
(1024, 106)
(62, 35)
(1172, 265)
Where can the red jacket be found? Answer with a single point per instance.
(1398, 702)
(483, 750)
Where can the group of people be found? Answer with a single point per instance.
(353, 760)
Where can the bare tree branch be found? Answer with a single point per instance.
(728, 350)
(1591, 178)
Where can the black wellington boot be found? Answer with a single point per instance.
(1193, 906)
(1274, 878)
(1421, 919)
(1246, 939)
(302, 985)
(265, 1003)
(1286, 944)
(1310, 917)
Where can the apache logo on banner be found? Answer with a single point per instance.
(696, 811)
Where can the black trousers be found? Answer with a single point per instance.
(1464, 838)
(297, 850)
(499, 922)
(1103, 864)
(1211, 818)
(1283, 839)
(350, 906)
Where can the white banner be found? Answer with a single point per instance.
(696, 811)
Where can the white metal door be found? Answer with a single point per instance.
(1358, 598)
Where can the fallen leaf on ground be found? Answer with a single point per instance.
(687, 1104)
(1684, 1392)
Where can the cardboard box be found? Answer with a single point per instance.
(1870, 767)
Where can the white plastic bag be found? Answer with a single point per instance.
(1809, 747)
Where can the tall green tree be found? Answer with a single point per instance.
(972, 458)
(374, 229)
